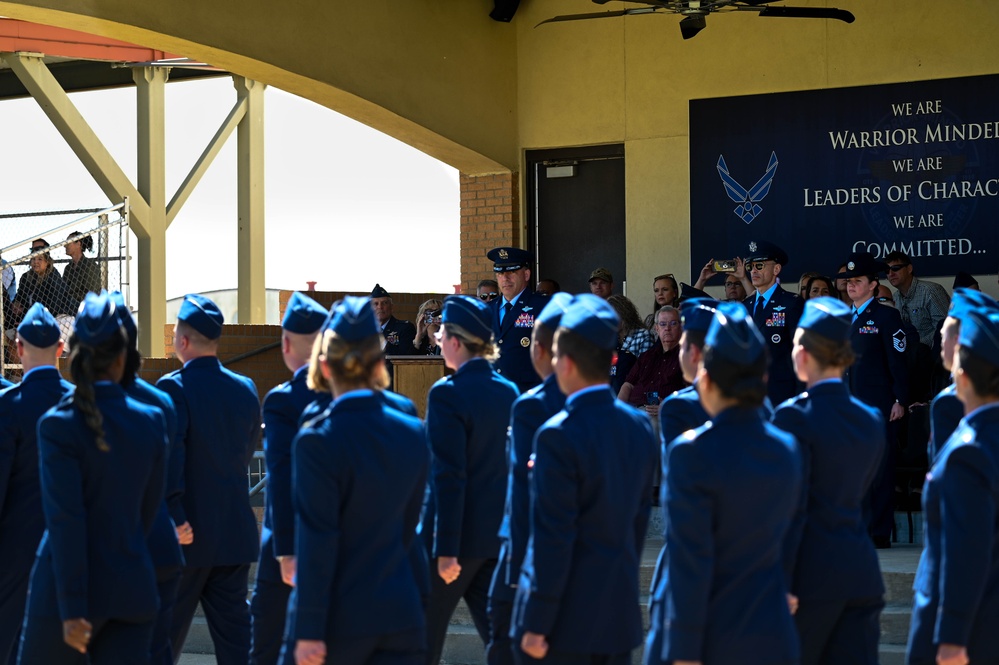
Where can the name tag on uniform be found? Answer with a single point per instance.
(525, 320)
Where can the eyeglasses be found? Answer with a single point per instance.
(488, 296)
(757, 265)
(668, 324)
(896, 268)
(729, 285)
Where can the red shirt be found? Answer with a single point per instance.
(656, 370)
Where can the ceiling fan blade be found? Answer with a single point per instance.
(583, 17)
(808, 12)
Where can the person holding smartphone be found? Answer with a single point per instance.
(428, 322)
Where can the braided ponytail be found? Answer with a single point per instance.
(88, 363)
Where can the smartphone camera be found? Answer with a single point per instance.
(652, 397)
(431, 317)
(728, 265)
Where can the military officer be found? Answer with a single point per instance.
(398, 334)
(735, 471)
(956, 604)
(22, 522)
(836, 577)
(168, 560)
(591, 493)
(283, 407)
(359, 475)
(529, 412)
(101, 463)
(513, 315)
(219, 412)
(467, 418)
(946, 409)
(775, 312)
(879, 377)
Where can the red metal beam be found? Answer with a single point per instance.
(59, 42)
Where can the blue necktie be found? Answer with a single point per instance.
(506, 310)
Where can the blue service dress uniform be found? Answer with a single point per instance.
(836, 575)
(529, 412)
(94, 559)
(777, 321)
(168, 560)
(218, 414)
(513, 337)
(732, 490)
(591, 490)
(946, 411)
(467, 418)
(957, 582)
(283, 409)
(22, 522)
(358, 489)
(879, 377)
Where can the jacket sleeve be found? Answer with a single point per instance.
(789, 419)
(61, 470)
(447, 432)
(895, 342)
(527, 416)
(967, 516)
(153, 496)
(175, 469)
(280, 428)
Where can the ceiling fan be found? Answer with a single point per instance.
(694, 12)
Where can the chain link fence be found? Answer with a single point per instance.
(56, 263)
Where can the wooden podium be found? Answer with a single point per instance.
(412, 376)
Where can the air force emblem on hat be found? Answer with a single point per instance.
(752, 246)
(851, 266)
(748, 200)
(503, 254)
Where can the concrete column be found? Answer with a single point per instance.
(252, 298)
(151, 114)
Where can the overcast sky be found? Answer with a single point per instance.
(346, 206)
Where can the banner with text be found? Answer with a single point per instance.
(907, 166)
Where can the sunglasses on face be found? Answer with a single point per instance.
(757, 265)
(488, 296)
(898, 267)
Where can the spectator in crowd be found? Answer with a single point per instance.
(821, 286)
(399, 335)
(487, 290)
(428, 322)
(803, 282)
(360, 474)
(879, 377)
(602, 283)
(577, 597)
(717, 477)
(923, 304)
(43, 283)
(666, 292)
(956, 606)
(9, 282)
(513, 315)
(885, 298)
(548, 287)
(82, 274)
(657, 373)
(468, 414)
(836, 578)
(775, 312)
(963, 280)
(734, 289)
(841, 285)
(634, 339)
(219, 412)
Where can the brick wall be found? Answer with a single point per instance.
(490, 217)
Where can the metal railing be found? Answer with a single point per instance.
(256, 473)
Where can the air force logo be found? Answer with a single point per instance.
(748, 208)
